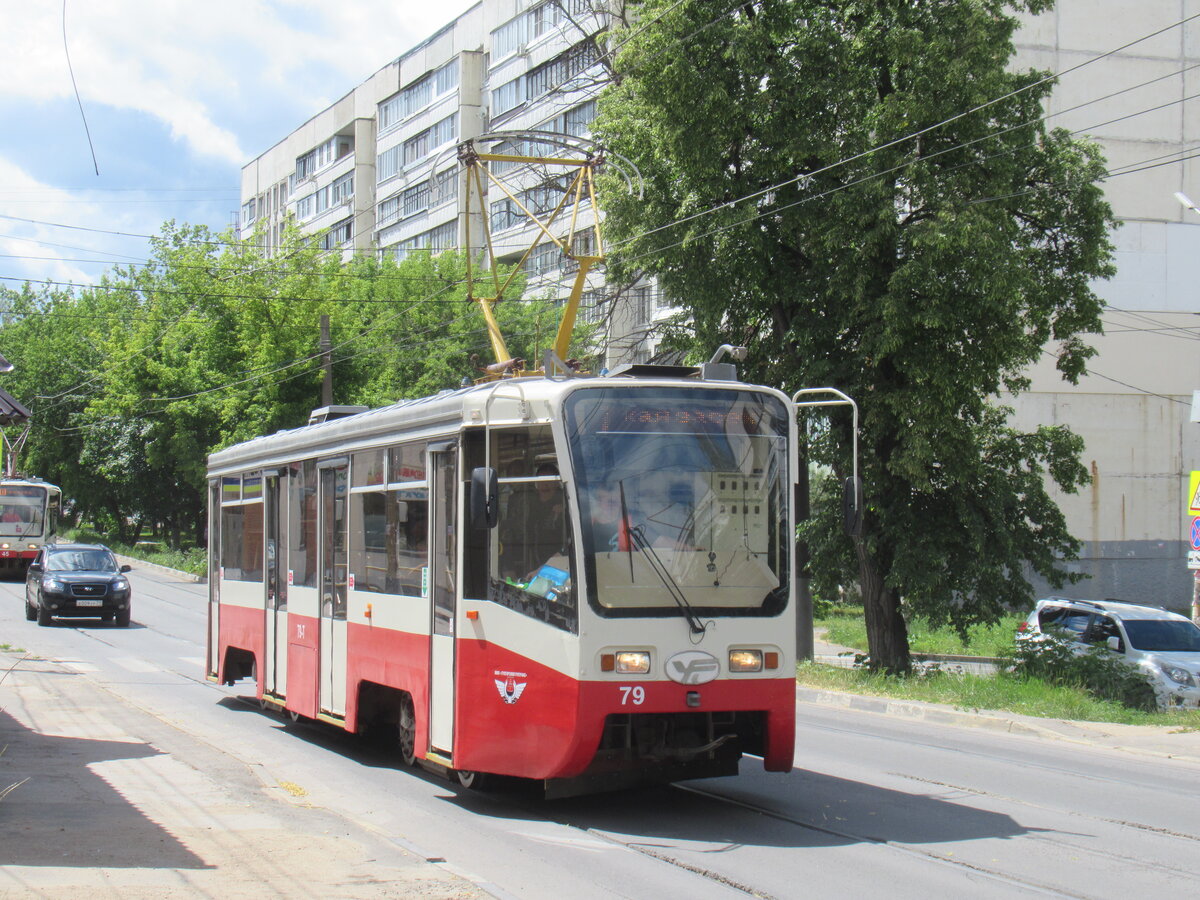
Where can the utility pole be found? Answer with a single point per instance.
(326, 348)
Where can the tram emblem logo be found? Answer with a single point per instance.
(510, 689)
(693, 667)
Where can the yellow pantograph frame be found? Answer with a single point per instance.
(584, 180)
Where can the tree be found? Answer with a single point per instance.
(866, 196)
(134, 381)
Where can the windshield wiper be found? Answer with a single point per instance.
(637, 536)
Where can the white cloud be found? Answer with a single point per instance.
(41, 252)
(188, 63)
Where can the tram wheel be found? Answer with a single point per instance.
(407, 728)
(472, 781)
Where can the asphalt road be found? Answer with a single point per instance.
(146, 780)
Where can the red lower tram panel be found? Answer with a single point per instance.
(515, 717)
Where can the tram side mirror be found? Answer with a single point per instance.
(852, 506)
(485, 497)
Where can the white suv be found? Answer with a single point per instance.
(1164, 645)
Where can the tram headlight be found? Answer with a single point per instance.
(4, 546)
(626, 662)
(745, 660)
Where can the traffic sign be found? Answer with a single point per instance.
(1196, 533)
(1194, 494)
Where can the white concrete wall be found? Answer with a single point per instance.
(1132, 409)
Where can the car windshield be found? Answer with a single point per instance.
(1163, 634)
(81, 561)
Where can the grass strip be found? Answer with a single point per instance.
(1001, 693)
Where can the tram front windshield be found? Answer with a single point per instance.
(682, 494)
(21, 510)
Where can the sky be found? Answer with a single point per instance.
(177, 97)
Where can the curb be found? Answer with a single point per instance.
(921, 712)
(142, 564)
(1086, 733)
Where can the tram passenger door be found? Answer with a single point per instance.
(214, 579)
(443, 584)
(276, 587)
(332, 568)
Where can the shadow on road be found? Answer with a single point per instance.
(63, 814)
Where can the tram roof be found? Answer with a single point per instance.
(491, 403)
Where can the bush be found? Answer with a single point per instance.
(1097, 671)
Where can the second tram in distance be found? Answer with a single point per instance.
(585, 581)
(29, 509)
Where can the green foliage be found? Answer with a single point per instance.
(134, 381)
(1029, 697)
(788, 209)
(844, 626)
(1097, 671)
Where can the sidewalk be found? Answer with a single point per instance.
(100, 798)
(1162, 741)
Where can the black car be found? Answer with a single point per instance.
(77, 580)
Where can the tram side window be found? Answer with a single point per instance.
(368, 468)
(517, 452)
(302, 523)
(242, 542)
(531, 567)
(391, 552)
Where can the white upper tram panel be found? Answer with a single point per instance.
(511, 402)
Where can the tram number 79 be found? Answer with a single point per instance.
(632, 694)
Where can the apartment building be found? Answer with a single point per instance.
(1133, 408)
(377, 172)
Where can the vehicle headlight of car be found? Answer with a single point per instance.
(120, 584)
(1177, 674)
(53, 585)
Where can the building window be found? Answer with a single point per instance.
(444, 237)
(417, 95)
(544, 258)
(445, 79)
(388, 164)
(555, 74)
(421, 145)
(389, 209)
(504, 214)
(510, 37)
(338, 235)
(415, 199)
(508, 96)
(443, 187)
(249, 212)
(639, 298)
(305, 207)
(416, 147)
(591, 307)
(578, 121)
(306, 165)
(342, 189)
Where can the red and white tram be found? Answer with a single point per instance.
(586, 581)
(29, 509)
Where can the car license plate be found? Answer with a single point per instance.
(89, 602)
